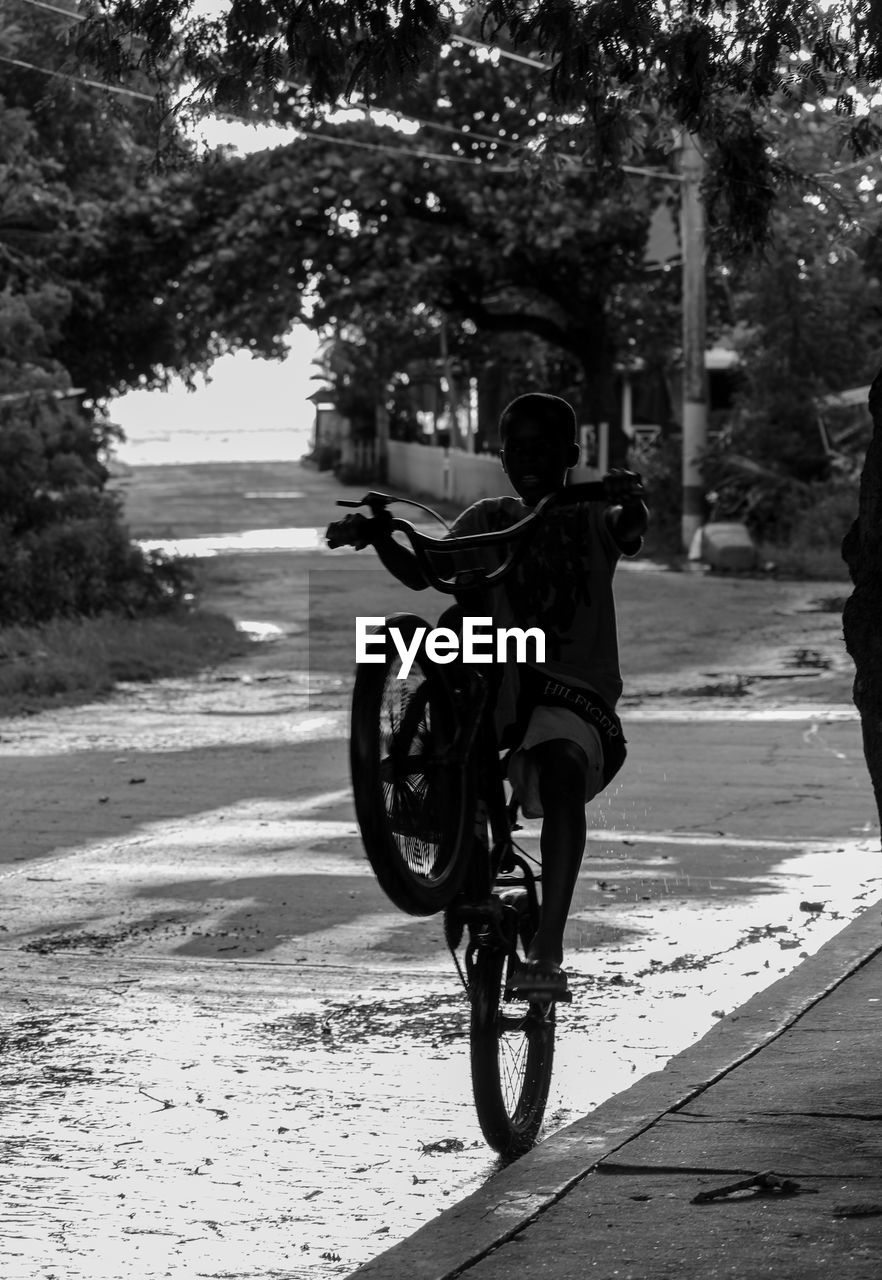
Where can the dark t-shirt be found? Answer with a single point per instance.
(563, 585)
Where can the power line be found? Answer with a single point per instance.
(445, 157)
(572, 163)
(80, 80)
(503, 53)
(53, 8)
(470, 135)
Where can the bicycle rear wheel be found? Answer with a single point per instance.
(412, 797)
(512, 1055)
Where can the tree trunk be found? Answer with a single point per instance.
(601, 405)
(862, 617)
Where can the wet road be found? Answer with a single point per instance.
(224, 1054)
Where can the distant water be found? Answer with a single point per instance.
(248, 410)
(182, 446)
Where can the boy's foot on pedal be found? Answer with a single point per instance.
(539, 978)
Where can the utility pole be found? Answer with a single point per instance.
(694, 256)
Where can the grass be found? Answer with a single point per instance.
(812, 554)
(76, 660)
(801, 561)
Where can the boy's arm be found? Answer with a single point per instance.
(628, 515)
(360, 531)
(399, 560)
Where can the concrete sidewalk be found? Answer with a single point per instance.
(790, 1083)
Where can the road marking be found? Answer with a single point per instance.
(674, 711)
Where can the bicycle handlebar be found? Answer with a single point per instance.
(479, 577)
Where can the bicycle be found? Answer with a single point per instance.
(438, 828)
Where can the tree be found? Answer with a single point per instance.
(711, 67)
(399, 235)
(63, 548)
(611, 64)
(805, 312)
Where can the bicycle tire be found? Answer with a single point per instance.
(412, 798)
(512, 1056)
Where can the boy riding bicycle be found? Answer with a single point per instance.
(557, 717)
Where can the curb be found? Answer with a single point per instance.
(520, 1193)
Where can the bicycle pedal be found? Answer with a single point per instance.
(539, 998)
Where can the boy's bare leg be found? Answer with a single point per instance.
(562, 767)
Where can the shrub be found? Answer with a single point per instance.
(813, 547)
(659, 465)
(768, 501)
(83, 566)
(64, 550)
(827, 515)
(800, 525)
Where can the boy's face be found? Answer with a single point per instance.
(536, 460)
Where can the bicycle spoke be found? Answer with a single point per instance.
(512, 1048)
(394, 770)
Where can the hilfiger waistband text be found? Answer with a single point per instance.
(563, 693)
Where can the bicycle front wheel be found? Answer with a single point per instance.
(512, 1054)
(412, 796)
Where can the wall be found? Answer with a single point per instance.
(450, 474)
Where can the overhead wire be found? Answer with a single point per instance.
(446, 157)
(54, 8)
(80, 80)
(503, 53)
(470, 135)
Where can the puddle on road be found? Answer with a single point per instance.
(295, 538)
(261, 632)
(288, 1118)
(250, 541)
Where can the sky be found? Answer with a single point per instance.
(249, 409)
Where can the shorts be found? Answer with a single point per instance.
(546, 724)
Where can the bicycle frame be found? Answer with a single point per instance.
(495, 865)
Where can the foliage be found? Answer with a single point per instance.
(805, 323)
(68, 155)
(768, 500)
(807, 311)
(65, 154)
(351, 229)
(827, 516)
(63, 547)
(611, 65)
(813, 546)
(82, 566)
(660, 465)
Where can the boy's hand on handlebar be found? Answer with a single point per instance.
(623, 488)
(357, 530)
(351, 531)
